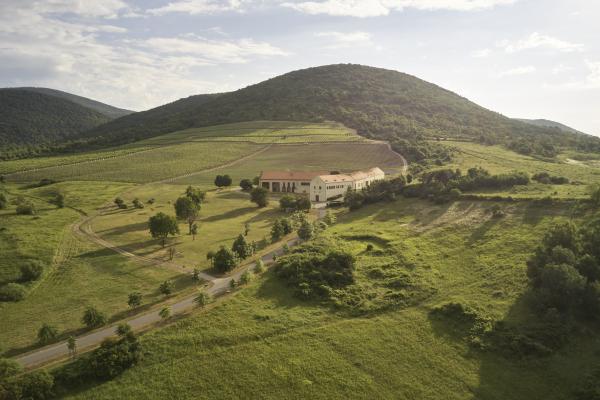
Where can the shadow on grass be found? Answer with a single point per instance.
(119, 230)
(478, 234)
(238, 212)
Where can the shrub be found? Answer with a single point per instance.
(259, 196)
(369, 247)
(12, 292)
(47, 334)
(165, 312)
(246, 185)
(306, 230)
(3, 201)
(166, 287)
(92, 318)
(223, 180)
(31, 270)
(241, 248)
(224, 260)
(25, 208)
(287, 202)
(260, 266)
(36, 385)
(134, 299)
(137, 203)
(246, 277)
(202, 299)
(8, 368)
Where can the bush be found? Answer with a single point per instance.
(223, 180)
(3, 201)
(12, 292)
(47, 334)
(259, 196)
(25, 208)
(241, 248)
(306, 230)
(246, 277)
(8, 368)
(137, 203)
(36, 385)
(202, 299)
(92, 318)
(224, 260)
(547, 179)
(246, 185)
(260, 266)
(31, 270)
(166, 287)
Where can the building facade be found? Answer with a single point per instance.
(288, 181)
(324, 188)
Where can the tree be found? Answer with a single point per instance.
(196, 275)
(276, 231)
(92, 318)
(118, 201)
(72, 346)
(303, 203)
(202, 299)
(8, 368)
(37, 385)
(223, 180)
(305, 231)
(172, 252)
(123, 329)
(259, 268)
(196, 195)
(246, 185)
(260, 196)
(187, 210)
(194, 230)
(166, 287)
(246, 228)
(165, 312)
(31, 270)
(47, 334)
(12, 292)
(246, 277)
(224, 260)
(135, 299)
(287, 202)
(241, 248)
(162, 225)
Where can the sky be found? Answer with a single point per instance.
(522, 58)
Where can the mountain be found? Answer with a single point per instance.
(549, 124)
(378, 103)
(33, 120)
(105, 109)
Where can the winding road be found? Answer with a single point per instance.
(216, 286)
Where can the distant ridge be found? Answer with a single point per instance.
(108, 110)
(549, 124)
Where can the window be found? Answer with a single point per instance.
(305, 183)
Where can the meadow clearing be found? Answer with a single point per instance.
(498, 160)
(264, 342)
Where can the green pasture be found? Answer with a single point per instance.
(497, 160)
(265, 343)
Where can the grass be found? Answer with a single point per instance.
(264, 343)
(339, 156)
(497, 159)
(95, 163)
(222, 218)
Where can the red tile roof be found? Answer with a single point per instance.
(290, 175)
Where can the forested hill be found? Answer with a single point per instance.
(550, 124)
(108, 110)
(32, 121)
(378, 103)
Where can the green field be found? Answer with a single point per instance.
(264, 343)
(222, 218)
(184, 147)
(497, 160)
(315, 157)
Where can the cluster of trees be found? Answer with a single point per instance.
(225, 260)
(223, 180)
(385, 190)
(314, 271)
(564, 272)
(547, 179)
(30, 270)
(447, 184)
(294, 203)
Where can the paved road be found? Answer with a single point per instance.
(218, 287)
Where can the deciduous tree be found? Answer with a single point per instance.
(161, 226)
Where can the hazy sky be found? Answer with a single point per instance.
(522, 58)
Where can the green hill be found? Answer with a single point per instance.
(549, 124)
(32, 121)
(378, 103)
(108, 110)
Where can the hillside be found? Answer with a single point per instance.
(108, 110)
(378, 103)
(549, 124)
(31, 121)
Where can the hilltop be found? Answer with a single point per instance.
(550, 124)
(378, 103)
(34, 119)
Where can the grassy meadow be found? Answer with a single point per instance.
(265, 343)
(222, 218)
(497, 160)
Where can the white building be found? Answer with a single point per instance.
(325, 188)
(288, 181)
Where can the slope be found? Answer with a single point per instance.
(378, 103)
(105, 109)
(549, 124)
